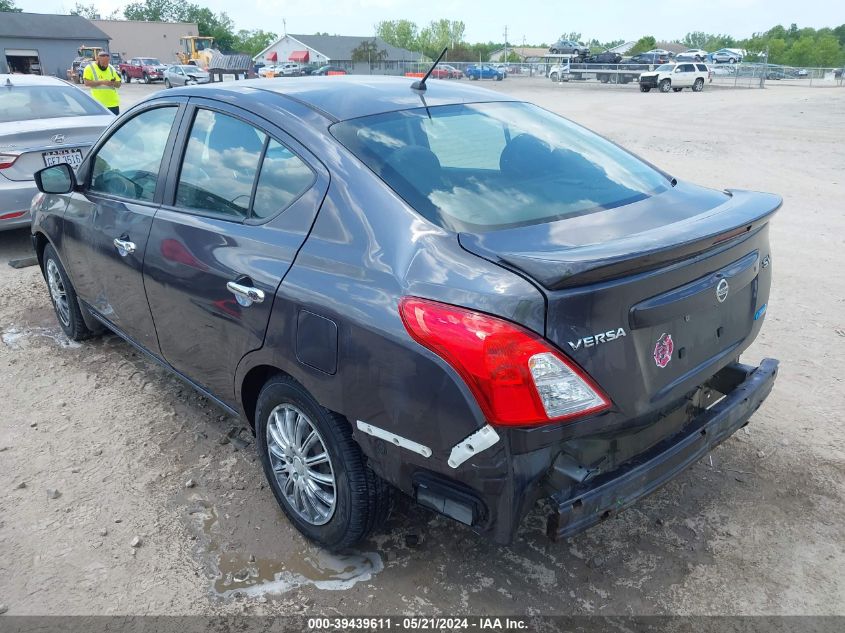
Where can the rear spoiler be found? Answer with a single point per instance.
(742, 215)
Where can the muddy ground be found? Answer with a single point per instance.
(756, 528)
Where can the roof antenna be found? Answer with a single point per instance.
(420, 85)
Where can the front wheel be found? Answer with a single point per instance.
(315, 468)
(146, 78)
(127, 79)
(677, 89)
(644, 88)
(63, 297)
(553, 76)
(665, 85)
(167, 83)
(698, 86)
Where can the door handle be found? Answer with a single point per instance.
(246, 295)
(124, 247)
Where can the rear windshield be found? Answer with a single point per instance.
(21, 103)
(494, 165)
(150, 61)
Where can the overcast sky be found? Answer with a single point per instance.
(535, 21)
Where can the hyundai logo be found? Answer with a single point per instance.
(722, 289)
(59, 138)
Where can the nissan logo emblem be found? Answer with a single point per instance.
(722, 289)
(59, 138)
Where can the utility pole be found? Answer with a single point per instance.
(506, 43)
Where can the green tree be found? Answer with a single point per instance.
(645, 43)
(571, 36)
(9, 7)
(440, 33)
(154, 11)
(89, 11)
(827, 51)
(401, 33)
(253, 42)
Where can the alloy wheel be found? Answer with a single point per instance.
(301, 464)
(57, 292)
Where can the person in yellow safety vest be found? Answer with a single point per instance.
(104, 81)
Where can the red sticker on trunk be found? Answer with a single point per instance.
(663, 350)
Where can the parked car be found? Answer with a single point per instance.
(341, 270)
(725, 56)
(607, 57)
(692, 55)
(483, 71)
(675, 77)
(649, 59)
(445, 71)
(662, 52)
(146, 69)
(184, 74)
(568, 47)
(268, 71)
(328, 68)
(43, 121)
(289, 69)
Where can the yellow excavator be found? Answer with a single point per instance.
(199, 51)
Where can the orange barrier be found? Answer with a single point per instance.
(335, 72)
(420, 75)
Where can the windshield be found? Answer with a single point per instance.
(150, 61)
(495, 165)
(22, 103)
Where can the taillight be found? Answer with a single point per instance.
(7, 160)
(517, 377)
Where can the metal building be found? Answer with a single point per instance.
(44, 44)
(146, 39)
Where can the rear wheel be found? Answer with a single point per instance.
(167, 83)
(698, 86)
(316, 470)
(677, 89)
(665, 85)
(63, 297)
(127, 79)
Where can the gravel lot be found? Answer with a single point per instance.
(757, 528)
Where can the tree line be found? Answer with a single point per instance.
(791, 45)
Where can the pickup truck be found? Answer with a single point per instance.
(144, 69)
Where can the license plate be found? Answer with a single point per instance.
(72, 157)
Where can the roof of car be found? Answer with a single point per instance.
(30, 80)
(352, 96)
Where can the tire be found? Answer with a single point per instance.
(731, 60)
(677, 89)
(360, 500)
(167, 83)
(127, 79)
(499, 77)
(644, 88)
(63, 297)
(665, 85)
(554, 51)
(553, 76)
(604, 79)
(698, 86)
(146, 78)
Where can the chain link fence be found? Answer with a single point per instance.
(741, 75)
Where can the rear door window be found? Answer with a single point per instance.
(220, 165)
(283, 178)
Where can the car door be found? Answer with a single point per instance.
(108, 220)
(686, 76)
(241, 199)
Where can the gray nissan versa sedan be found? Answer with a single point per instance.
(449, 292)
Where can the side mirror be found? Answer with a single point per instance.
(57, 179)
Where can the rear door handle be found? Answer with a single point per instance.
(124, 247)
(246, 295)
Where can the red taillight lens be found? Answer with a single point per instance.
(517, 378)
(7, 160)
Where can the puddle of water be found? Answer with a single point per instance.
(235, 572)
(19, 338)
(331, 572)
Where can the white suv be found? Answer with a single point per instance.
(676, 77)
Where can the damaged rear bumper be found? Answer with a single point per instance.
(594, 500)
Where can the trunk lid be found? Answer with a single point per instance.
(35, 137)
(652, 298)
